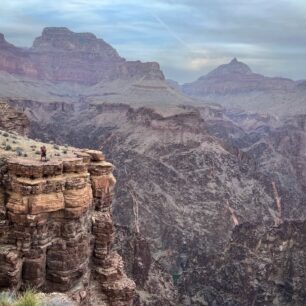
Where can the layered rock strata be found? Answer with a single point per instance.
(56, 228)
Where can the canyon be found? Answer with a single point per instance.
(209, 207)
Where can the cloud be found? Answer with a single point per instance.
(187, 37)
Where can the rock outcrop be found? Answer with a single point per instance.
(12, 120)
(56, 229)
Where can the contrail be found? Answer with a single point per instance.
(167, 28)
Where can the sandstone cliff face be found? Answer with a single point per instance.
(56, 229)
(12, 120)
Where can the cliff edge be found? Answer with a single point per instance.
(56, 228)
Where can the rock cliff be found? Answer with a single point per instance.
(56, 229)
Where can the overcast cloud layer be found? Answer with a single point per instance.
(187, 37)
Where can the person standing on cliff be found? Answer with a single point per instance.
(43, 153)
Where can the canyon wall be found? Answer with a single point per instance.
(186, 181)
(259, 266)
(56, 229)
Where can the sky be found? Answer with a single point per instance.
(188, 38)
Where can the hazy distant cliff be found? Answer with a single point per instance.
(235, 85)
(62, 55)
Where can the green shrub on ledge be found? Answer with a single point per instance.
(28, 298)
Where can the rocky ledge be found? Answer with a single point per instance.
(56, 229)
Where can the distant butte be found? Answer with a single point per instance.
(60, 55)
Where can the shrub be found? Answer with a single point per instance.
(37, 152)
(29, 298)
(8, 148)
(56, 147)
(6, 135)
(65, 151)
(19, 151)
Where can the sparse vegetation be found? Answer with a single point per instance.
(28, 298)
(26, 147)
(19, 151)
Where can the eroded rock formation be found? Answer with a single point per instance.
(56, 229)
(62, 55)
